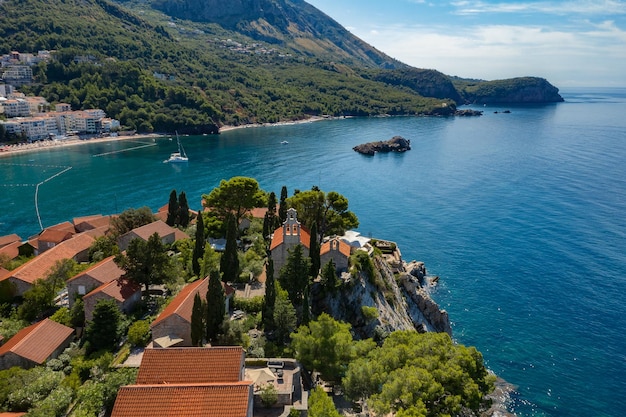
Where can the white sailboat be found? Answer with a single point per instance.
(179, 156)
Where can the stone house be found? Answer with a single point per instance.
(337, 250)
(35, 344)
(202, 381)
(168, 234)
(286, 237)
(103, 272)
(23, 277)
(125, 294)
(173, 326)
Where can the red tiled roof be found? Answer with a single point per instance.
(344, 248)
(182, 304)
(117, 289)
(8, 239)
(38, 267)
(37, 341)
(54, 236)
(277, 238)
(193, 365)
(161, 215)
(12, 250)
(148, 230)
(91, 222)
(104, 271)
(7, 414)
(185, 400)
(258, 212)
(65, 227)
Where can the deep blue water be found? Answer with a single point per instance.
(522, 216)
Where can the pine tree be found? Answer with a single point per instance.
(183, 210)
(229, 264)
(172, 210)
(282, 208)
(314, 252)
(215, 308)
(197, 321)
(198, 249)
(270, 295)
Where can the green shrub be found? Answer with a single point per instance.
(249, 305)
(139, 333)
(370, 313)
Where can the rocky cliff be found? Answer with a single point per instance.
(398, 291)
(290, 23)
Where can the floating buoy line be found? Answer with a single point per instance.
(63, 169)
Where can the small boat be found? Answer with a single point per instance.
(284, 142)
(179, 156)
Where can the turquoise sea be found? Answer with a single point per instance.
(522, 215)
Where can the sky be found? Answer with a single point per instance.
(570, 43)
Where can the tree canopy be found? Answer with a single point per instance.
(419, 375)
(146, 263)
(329, 211)
(236, 196)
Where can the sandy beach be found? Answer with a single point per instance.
(8, 150)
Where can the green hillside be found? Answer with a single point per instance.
(157, 72)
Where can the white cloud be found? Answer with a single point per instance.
(591, 55)
(582, 7)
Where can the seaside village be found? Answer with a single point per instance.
(209, 380)
(32, 118)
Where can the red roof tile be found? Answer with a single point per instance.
(65, 226)
(277, 238)
(8, 239)
(91, 222)
(38, 267)
(117, 289)
(12, 250)
(37, 341)
(193, 365)
(344, 248)
(54, 236)
(182, 304)
(104, 271)
(206, 400)
(148, 230)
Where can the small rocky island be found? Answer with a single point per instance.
(395, 144)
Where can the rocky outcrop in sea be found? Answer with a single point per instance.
(395, 144)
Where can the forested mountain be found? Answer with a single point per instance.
(191, 65)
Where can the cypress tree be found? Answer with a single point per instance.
(282, 208)
(270, 295)
(183, 210)
(314, 252)
(215, 308)
(229, 264)
(197, 321)
(306, 312)
(198, 249)
(172, 210)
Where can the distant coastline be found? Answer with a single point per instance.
(9, 150)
